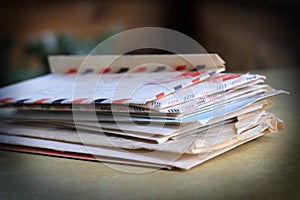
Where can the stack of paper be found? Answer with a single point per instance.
(178, 113)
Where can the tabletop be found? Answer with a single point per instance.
(268, 167)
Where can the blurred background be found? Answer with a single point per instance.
(246, 34)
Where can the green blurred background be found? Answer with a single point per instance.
(247, 34)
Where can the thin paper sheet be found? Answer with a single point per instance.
(195, 143)
(159, 133)
(164, 158)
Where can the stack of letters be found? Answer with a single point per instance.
(171, 111)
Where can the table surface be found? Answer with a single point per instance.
(267, 167)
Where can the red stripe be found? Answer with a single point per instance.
(185, 74)
(197, 73)
(160, 95)
(180, 67)
(227, 77)
(5, 100)
(106, 70)
(196, 80)
(192, 74)
(78, 100)
(141, 69)
(71, 71)
(40, 100)
(120, 100)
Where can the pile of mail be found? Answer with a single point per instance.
(172, 111)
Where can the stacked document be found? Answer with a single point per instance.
(165, 111)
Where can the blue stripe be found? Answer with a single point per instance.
(212, 73)
(99, 100)
(58, 101)
(198, 67)
(87, 71)
(160, 68)
(178, 87)
(22, 100)
(123, 70)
